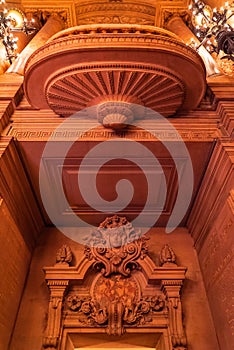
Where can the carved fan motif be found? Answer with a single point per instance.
(157, 89)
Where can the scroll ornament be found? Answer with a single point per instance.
(116, 246)
(134, 313)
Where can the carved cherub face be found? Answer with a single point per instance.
(117, 237)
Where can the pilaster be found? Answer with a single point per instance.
(57, 290)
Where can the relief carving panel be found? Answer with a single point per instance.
(114, 297)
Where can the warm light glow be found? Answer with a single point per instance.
(16, 17)
(12, 20)
(215, 31)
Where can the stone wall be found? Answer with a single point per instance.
(217, 264)
(15, 260)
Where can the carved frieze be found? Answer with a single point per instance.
(115, 12)
(42, 14)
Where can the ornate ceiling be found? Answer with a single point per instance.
(148, 12)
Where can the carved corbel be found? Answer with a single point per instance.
(171, 289)
(57, 291)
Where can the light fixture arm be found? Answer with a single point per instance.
(9, 25)
(213, 28)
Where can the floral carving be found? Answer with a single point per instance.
(89, 308)
(140, 312)
(64, 255)
(116, 246)
(133, 313)
(167, 255)
(74, 303)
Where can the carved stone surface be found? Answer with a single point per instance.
(142, 78)
(167, 256)
(89, 312)
(116, 303)
(64, 255)
(116, 247)
(217, 263)
(53, 329)
(130, 291)
(115, 114)
(44, 12)
(115, 12)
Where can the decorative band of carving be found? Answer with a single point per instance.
(172, 283)
(111, 28)
(146, 9)
(113, 40)
(57, 283)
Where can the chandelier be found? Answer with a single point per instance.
(215, 30)
(13, 20)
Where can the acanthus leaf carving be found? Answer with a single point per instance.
(92, 311)
(140, 312)
(115, 247)
(64, 255)
(116, 299)
(167, 256)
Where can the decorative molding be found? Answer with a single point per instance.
(231, 200)
(115, 299)
(115, 7)
(172, 290)
(67, 90)
(43, 13)
(52, 333)
(116, 19)
(168, 14)
(115, 247)
(45, 133)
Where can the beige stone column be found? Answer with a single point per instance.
(177, 26)
(53, 25)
